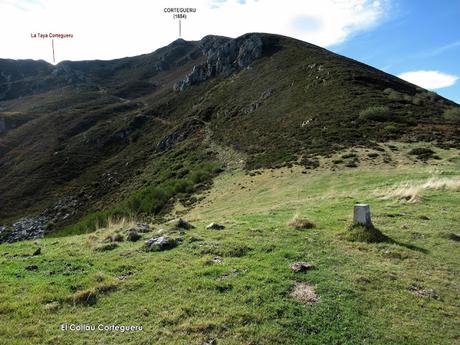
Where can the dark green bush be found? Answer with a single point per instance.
(153, 198)
(395, 96)
(150, 200)
(452, 114)
(422, 153)
(376, 113)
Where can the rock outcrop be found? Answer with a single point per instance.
(28, 228)
(160, 243)
(224, 57)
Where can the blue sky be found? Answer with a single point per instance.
(418, 40)
(414, 36)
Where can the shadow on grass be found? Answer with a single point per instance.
(361, 233)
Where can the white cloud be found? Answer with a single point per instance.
(429, 79)
(107, 29)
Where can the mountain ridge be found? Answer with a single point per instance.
(105, 131)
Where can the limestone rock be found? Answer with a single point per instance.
(27, 228)
(179, 223)
(160, 243)
(215, 226)
(141, 227)
(31, 267)
(224, 56)
(133, 236)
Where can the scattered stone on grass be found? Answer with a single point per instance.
(31, 267)
(141, 228)
(421, 292)
(133, 236)
(37, 251)
(160, 243)
(300, 266)
(215, 226)
(304, 293)
(226, 275)
(217, 260)
(453, 237)
(179, 223)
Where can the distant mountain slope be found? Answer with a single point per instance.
(102, 132)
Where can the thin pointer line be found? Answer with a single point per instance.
(52, 44)
(180, 28)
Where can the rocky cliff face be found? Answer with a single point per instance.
(224, 56)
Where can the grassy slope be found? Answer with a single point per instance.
(181, 297)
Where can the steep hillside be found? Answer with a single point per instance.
(130, 136)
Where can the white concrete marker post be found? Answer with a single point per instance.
(362, 215)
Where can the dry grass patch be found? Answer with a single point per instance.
(304, 293)
(301, 223)
(411, 191)
(120, 223)
(89, 296)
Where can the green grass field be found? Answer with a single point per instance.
(233, 286)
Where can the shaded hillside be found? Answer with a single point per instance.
(126, 133)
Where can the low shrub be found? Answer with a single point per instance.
(422, 153)
(452, 114)
(151, 199)
(376, 113)
(395, 96)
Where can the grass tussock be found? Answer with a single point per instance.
(300, 223)
(89, 296)
(361, 233)
(106, 247)
(412, 192)
(120, 223)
